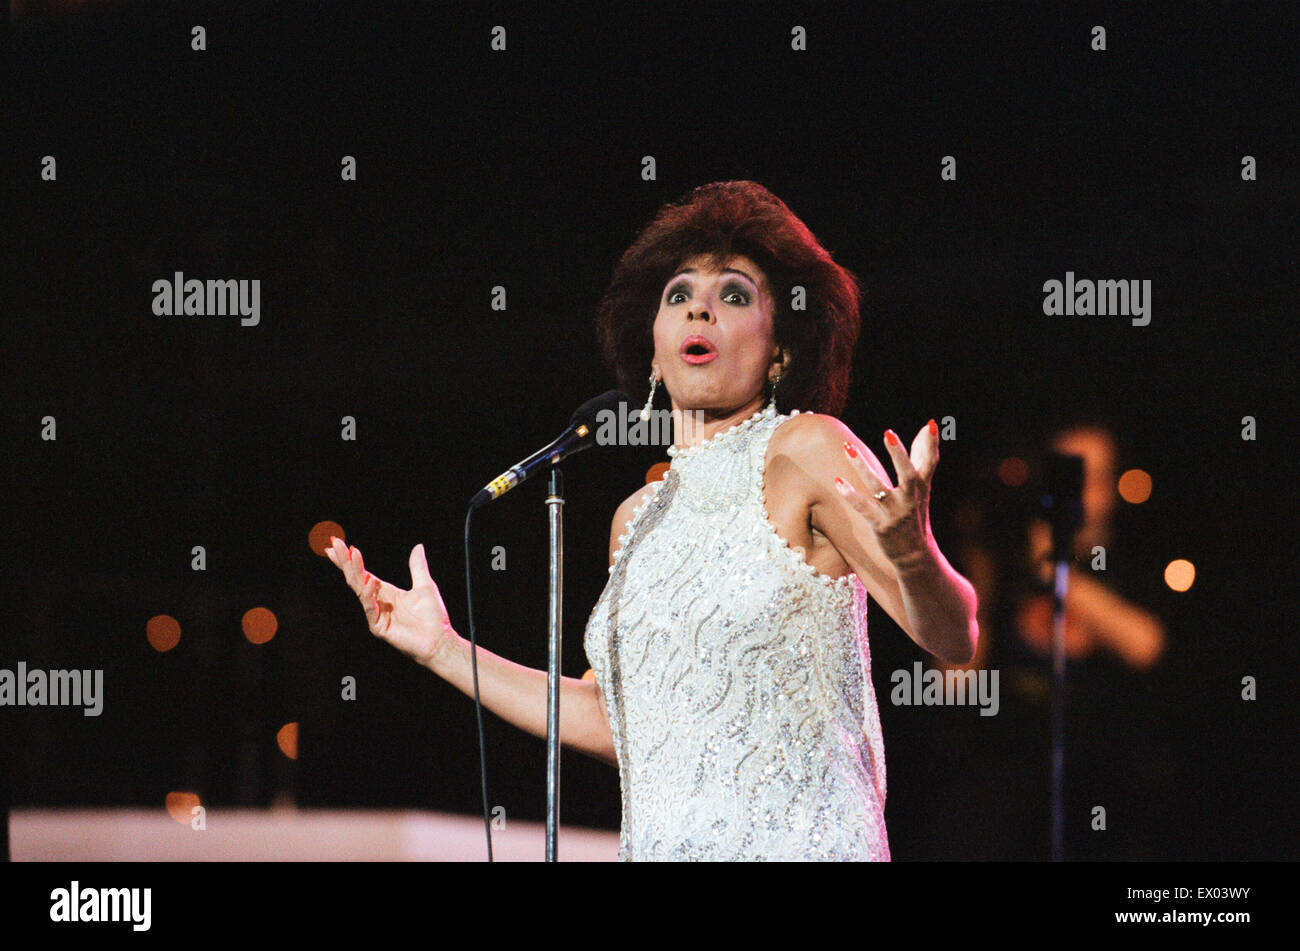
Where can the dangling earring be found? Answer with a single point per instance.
(771, 403)
(645, 410)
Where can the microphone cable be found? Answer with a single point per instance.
(478, 705)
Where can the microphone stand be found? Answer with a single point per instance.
(1061, 585)
(1062, 504)
(555, 505)
(578, 436)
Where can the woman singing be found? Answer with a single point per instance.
(733, 675)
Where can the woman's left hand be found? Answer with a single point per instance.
(899, 516)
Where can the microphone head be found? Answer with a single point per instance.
(1061, 502)
(589, 411)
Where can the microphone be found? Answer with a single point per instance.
(577, 436)
(1062, 500)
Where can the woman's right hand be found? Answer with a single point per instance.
(414, 621)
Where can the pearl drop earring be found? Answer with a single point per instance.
(772, 401)
(645, 410)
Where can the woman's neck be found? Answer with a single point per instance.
(695, 426)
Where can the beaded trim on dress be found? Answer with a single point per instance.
(843, 585)
(687, 451)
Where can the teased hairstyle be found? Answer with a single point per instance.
(719, 220)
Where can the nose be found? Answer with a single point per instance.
(701, 313)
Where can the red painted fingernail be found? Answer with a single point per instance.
(841, 485)
(934, 428)
(853, 453)
(891, 438)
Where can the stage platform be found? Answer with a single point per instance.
(289, 835)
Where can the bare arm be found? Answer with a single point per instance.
(981, 571)
(1127, 630)
(1135, 635)
(517, 694)
(891, 550)
(415, 622)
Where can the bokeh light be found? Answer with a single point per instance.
(1135, 486)
(318, 539)
(1179, 574)
(180, 806)
(656, 472)
(1013, 471)
(163, 632)
(259, 625)
(287, 739)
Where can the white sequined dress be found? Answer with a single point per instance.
(737, 678)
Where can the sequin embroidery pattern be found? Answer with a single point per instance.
(737, 678)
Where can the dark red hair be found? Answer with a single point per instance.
(719, 220)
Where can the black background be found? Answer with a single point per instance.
(522, 168)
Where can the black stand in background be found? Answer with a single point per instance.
(1062, 505)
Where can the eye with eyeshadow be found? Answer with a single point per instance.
(733, 289)
(737, 288)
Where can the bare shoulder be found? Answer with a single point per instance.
(815, 443)
(623, 515)
(809, 434)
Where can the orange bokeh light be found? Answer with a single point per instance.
(1135, 486)
(259, 625)
(163, 632)
(1179, 574)
(656, 472)
(180, 806)
(1013, 471)
(287, 739)
(318, 539)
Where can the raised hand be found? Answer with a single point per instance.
(899, 516)
(414, 621)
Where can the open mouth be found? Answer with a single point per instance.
(697, 349)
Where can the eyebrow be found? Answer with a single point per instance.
(725, 270)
